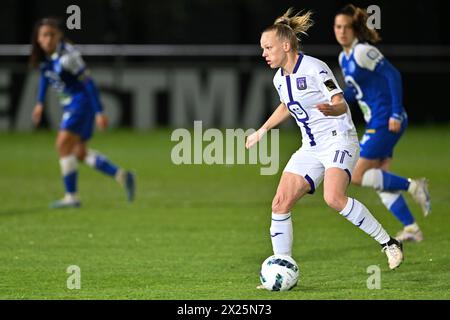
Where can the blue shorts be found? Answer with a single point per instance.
(79, 120)
(379, 143)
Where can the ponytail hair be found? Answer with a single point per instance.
(359, 17)
(37, 54)
(290, 27)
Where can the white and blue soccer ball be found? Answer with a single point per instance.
(279, 273)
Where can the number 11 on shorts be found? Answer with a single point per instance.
(342, 153)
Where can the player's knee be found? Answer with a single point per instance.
(335, 200)
(305, 187)
(283, 203)
(61, 145)
(65, 145)
(80, 153)
(277, 205)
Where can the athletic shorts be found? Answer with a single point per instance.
(79, 120)
(341, 151)
(379, 143)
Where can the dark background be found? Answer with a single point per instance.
(219, 21)
(422, 27)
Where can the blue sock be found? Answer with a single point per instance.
(69, 172)
(400, 209)
(392, 182)
(101, 163)
(70, 182)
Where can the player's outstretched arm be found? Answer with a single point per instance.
(278, 116)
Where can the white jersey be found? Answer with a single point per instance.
(312, 83)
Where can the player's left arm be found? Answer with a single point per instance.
(100, 117)
(371, 58)
(74, 63)
(394, 79)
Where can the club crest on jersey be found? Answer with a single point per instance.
(301, 83)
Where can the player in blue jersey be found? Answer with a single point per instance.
(376, 85)
(62, 67)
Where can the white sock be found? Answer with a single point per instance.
(388, 198)
(120, 176)
(281, 233)
(91, 155)
(373, 178)
(68, 164)
(359, 215)
(70, 197)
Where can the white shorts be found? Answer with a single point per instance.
(341, 151)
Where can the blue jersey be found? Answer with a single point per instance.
(374, 83)
(66, 71)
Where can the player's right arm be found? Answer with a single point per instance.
(278, 116)
(39, 107)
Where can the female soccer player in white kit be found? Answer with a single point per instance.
(310, 94)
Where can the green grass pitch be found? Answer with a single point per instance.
(201, 232)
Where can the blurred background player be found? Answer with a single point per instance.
(377, 87)
(63, 67)
(309, 93)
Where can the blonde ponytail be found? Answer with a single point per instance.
(289, 27)
(298, 23)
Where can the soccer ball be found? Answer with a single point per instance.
(279, 273)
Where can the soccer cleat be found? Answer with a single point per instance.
(419, 191)
(69, 201)
(130, 185)
(127, 180)
(394, 253)
(410, 233)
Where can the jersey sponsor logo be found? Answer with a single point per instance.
(350, 81)
(55, 80)
(297, 111)
(330, 85)
(301, 83)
